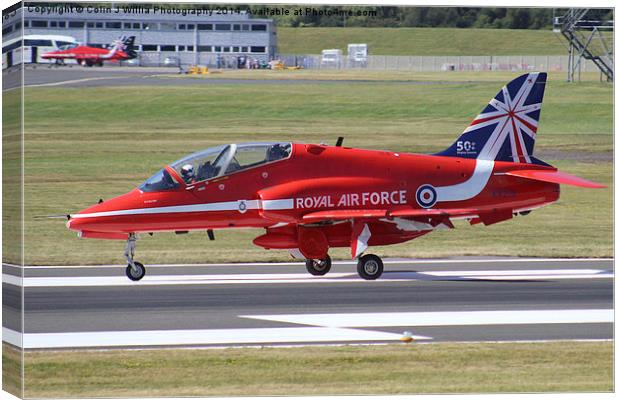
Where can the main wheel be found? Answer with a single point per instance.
(133, 274)
(319, 267)
(369, 267)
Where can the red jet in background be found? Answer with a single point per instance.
(309, 198)
(120, 49)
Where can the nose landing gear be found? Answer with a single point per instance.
(135, 270)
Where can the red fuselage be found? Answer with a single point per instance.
(83, 53)
(319, 184)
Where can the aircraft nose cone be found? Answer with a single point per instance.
(98, 217)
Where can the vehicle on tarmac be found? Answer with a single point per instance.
(331, 58)
(121, 49)
(357, 54)
(309, 198)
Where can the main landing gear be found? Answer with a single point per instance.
(319, 267)
(135, 270)
(369, 267)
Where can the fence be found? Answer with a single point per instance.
(401, 63)
(442, 63)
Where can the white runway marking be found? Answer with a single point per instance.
(60, 83)
(303, 278)
(417, 319)
(195, 337)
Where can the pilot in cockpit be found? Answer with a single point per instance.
(187, 173)
(276, 152)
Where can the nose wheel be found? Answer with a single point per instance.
(369, 267)
(135, 270)
(319, 267)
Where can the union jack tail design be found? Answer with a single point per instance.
(506, 129)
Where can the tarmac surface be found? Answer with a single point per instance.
(280, 304)
(110, 76)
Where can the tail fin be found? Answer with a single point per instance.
(506, 129)
(124, 44)
(129, 47)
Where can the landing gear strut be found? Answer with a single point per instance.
(369, 267)
(135, 270)
(319, 267)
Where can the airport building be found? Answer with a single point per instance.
(192, 37)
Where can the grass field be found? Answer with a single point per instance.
(423, 41)
(87, 143)
(391, 369)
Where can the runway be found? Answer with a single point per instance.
(110, 76)
(280, 304)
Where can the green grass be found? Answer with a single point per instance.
(83, 144)
(12, 370)
(423, 41)
(392, 369)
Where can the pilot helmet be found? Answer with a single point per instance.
(187, 171)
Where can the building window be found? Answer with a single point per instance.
(236, 27)
(18, 25)
(190, 27)
(94, 24)
(126, 25)
(190, 48)
(222, 27)
(218, 49)
(135, 25)
(38, 42)
(76, 24)
(204, 49)
(149, 47)
(245, 27)
(7, 30)
(235, 49)
(257, 49)
(165, 26)
(244, 49)
(180, 48)
(39, 24)
(149, 26)
(167, 47)
(58, 24)
(259, 27)
(62, 24)
(182, 27)
(226, 49)
(113, 25)
(205, 27)
(26, 24)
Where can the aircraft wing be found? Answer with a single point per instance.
(339, 215)
(555, 177)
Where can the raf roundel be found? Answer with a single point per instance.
(426, 196)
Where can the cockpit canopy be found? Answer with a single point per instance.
(218, 161)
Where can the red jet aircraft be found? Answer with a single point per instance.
(311, 197)
(121, 49)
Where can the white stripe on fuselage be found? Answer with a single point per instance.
(222, 206)
(471, 187)
(461, 191)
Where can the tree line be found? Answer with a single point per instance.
(451, 17)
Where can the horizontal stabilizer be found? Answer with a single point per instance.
(555, 177)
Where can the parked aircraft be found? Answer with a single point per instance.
(120, 49)
(309, 198)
